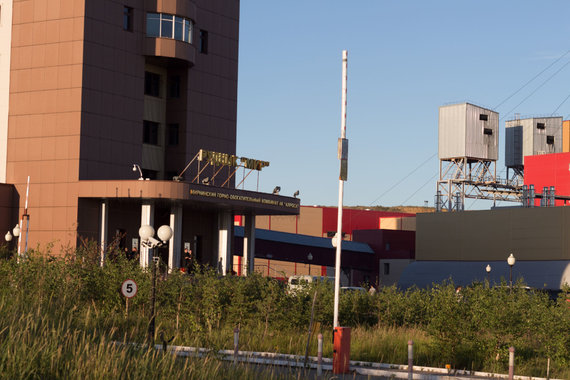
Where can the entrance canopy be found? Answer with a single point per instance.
(200, 196)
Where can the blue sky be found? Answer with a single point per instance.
(405, 59)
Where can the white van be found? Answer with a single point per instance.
(296, 282)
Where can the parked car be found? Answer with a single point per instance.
(297, 282)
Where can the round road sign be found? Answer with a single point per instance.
(129, 288)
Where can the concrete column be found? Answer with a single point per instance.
(248, 244)
(147, 217)
(103, 233)
(225, 225)
(175, 245)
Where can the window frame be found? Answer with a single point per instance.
(203, 48)
(128, 13)
(152, 84)
(150, 132)
(167, 26)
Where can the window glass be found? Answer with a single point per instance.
(153, 25)
(128, 19)
(178, 28)
(204, 41)
(187, 31)
(150, 132)
(151, 84)
(166, 26)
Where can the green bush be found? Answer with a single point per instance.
(74, 295)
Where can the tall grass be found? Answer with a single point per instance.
(59, 317)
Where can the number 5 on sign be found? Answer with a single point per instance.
(129, 290)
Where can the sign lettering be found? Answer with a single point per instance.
(217, 158)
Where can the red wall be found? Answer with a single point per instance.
(548, 170)
(355, 219)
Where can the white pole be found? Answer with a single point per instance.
(340, 193)
(22, 221)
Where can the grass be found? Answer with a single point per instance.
(59, 320)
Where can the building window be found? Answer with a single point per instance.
(174, 87)
(540, 126)
(488, 131)
(483, 117)
(386, 268)
(173, 131)
(169, 26)
(150, 132)
(387, 246)
(128, 19)
(203, 41)
(151, 84)
(550, 140)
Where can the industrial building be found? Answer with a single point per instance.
(462, 245)
(122, 114)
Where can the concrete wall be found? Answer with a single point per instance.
(528, 233)
(395, 269)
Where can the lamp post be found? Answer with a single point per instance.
(146, 233)
(488, 270)
(310, 258)
(511, 261)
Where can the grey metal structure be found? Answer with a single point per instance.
(530, 137)
(468, 151)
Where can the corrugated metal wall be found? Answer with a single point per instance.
(466, 130)
(534, 138)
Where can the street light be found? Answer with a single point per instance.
(137, 167)
(488, 270)
(146, 233)
(310, 258)
(15, 233)
(511, 261)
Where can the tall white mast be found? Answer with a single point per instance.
(343, 157)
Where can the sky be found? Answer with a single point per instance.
(405, 59)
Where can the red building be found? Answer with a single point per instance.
(548, 170)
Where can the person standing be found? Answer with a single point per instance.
(188, 259)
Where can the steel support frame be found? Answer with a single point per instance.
(474, 179)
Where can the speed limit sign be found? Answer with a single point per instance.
(129, 288)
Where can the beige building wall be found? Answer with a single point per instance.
(5, 41)
(529, 233)
(45, 113)
(311, 221)
(308, 222)
(566, 136)
(398, 223)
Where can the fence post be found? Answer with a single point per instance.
(410, 359)
(511, 363)
(236, 344)
(319, 356)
